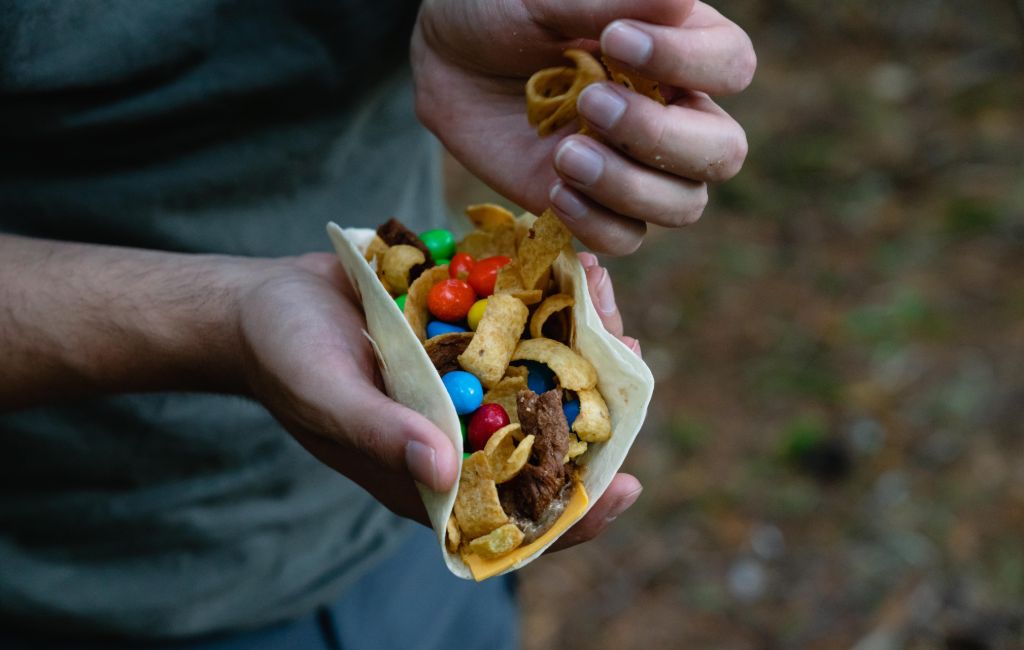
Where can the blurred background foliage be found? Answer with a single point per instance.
(834, 456)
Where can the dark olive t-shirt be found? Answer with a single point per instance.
(200, 126)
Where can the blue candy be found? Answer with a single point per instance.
(540, 378)
(436, 328)
(571, 410)
(465, 390)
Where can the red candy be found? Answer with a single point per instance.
(460, 266)
(450, 300)
(484, 273)
(485, 421)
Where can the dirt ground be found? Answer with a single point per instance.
(834, 456)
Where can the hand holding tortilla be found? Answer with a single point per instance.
(525, 482)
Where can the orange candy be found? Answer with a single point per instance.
(450, 300)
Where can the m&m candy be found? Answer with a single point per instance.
(460, 266)
(442, 262)
(540, 378)
(476, 312)
(487, 419)
(450, 300)
(465, 390)
(571, 410)
(440, 243)
(400, 300)
(485, 273)
(437, 328)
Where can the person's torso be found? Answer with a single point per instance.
(230, 127)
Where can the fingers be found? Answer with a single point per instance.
(708, 53)
(633, 345)
(396, 437)
(603, 297)
(628, 188)
(620, 495)
(692, 138)
(599, 282)
(586, 18)
(599, 229)
(393, 489)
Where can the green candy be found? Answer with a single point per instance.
(440, 243)
(466, 455)
(442, 261)
(401, 302)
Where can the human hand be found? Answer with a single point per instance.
(471, 60)
(624, 489)
(307, 360)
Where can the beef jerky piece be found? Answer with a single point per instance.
(393, 232)
(444, 350)
(539, 482)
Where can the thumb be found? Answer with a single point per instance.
(587, 18)
(394, 436)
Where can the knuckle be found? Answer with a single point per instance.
(371, 442)
(616, 245)
(652, 133)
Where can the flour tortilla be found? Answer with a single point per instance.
(623, 379)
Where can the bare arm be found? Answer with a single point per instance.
(82, 319)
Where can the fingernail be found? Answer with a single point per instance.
(605, 294)
(422, 463)
(623, 505)
(635, 347)
(588, 260)
(601, 106)
(565, 200)
(580, 162)
(627, 44)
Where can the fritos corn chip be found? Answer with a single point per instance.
(375, 250)
(515, 461)
(593, 424)
(545, 241)
(500, 446)
(573, 371)
(498, 542)
(551, 304)
(630, 79)
(396, 262)
(551, 94)
(505, 392)
(416, 312)
(496, 336)
(490, 216)
(477, 509)
(453, 537)
(576, 449)
(508, 282)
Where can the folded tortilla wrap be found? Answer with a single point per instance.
(624, 381)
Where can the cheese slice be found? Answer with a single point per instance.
(483, 568)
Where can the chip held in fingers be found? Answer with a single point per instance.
(551, 93)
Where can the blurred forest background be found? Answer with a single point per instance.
(834, 456)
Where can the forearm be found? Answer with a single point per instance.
(82, 319)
